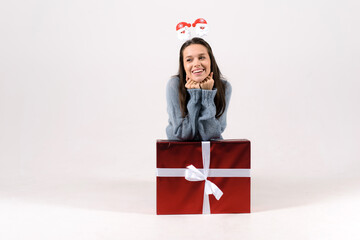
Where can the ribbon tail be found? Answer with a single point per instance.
(211, 188)
(216, 191)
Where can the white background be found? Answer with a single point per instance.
(82, 102)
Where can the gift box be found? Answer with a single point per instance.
(203, 177)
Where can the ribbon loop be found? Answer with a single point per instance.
(193, 174)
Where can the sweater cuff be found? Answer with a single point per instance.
(195, 94)
(208, 96)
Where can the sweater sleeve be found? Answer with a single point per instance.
(209, 126)
(182, 128)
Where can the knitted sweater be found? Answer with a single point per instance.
(200, 124)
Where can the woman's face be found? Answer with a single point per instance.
(197, 62)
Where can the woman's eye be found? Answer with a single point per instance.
(202, 57)
(188, 60)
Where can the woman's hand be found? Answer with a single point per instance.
(208, 82)
(191, 84)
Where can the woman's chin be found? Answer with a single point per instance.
(198, 79)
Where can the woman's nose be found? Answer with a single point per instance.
(196, 62)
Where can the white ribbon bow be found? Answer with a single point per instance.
(193, 174)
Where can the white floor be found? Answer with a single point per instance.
(105, 208)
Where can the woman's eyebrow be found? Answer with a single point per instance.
(190, 56)
(202, 54)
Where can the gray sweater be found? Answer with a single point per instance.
(200, 124)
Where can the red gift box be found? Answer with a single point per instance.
(219, 168)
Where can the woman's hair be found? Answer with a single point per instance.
(217, 76)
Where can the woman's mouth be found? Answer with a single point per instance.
(198, 71)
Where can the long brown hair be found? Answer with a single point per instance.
(217, 76)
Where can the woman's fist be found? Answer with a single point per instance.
(208, 82)
(190, 84)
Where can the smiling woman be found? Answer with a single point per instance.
(198, 96)
(197, 64)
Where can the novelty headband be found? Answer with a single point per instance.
(183, 29)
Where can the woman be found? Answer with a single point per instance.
(198, 97)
